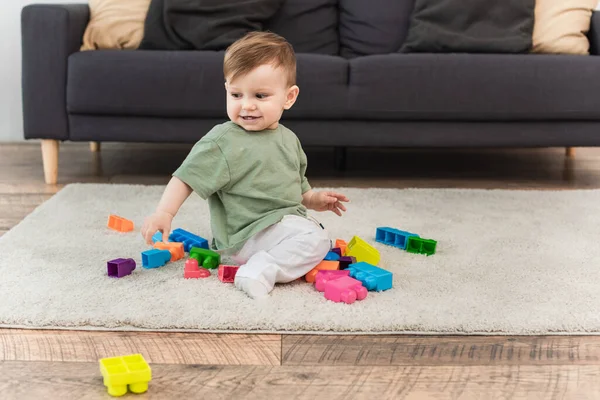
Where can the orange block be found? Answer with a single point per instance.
(323, 265)
(119, 223)
(342, 245)
(175, 248)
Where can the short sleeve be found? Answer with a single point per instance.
(205, 169)
(303, 164)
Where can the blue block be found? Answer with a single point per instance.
(158, 237)
(393, 237)
(188, 239)
(332, 256)
(155, 258)
(372, 277)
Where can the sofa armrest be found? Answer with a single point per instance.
(49, 34)
(594, 34)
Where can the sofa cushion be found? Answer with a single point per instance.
(493, 87)
(188, 84)
(311, 26)
(373, 27)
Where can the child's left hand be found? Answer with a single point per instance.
(328, 201)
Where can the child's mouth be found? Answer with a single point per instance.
(250, 118)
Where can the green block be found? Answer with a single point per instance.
(207, 258)
(419, 245)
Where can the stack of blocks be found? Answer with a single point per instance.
(411, 242)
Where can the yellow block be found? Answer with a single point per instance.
(363, 251)
(119, 372)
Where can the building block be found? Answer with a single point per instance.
(188, 239)
(155, 258)
(227, 273)
(193, 271)
(175, 248)
(346, 261)
(119, 224)
(323, 276)
(421, 246)
(337, 251)
(345, 289)
(207, 258)
(363, 251)
(157, 237)
(119, 372)
(372, 277)
(332, 256)
(393, 237)
(342, 245)
(323, 265)
(120, 267)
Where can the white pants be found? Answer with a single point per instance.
(280, 253)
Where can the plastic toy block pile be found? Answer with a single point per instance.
(346, 274)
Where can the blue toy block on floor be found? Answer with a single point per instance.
(393, 237)
(188, 239)
(332, 256)
(372, 277)
(155, 258)
(158, 237)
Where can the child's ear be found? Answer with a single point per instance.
(226, 86)
(292, 95)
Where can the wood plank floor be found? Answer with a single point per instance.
(63, 364)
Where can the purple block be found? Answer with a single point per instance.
(337, 251)
(120, 267)
(346, 261)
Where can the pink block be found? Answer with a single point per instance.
(192, 271)
(325, 276)
(227, 273)
(345, 289)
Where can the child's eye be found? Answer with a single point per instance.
(261, 96)
(236, 95)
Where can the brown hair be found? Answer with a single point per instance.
(256, 49)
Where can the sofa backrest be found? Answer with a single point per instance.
(311, 26)
(373, 26)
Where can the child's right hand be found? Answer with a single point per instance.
(159, 221)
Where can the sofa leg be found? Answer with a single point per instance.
(94, 147)
(570, 152)
(339, 155)
(50, 160)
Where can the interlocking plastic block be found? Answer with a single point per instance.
(188, 239)
(346, 261)
(337, 251)
(372, 277)
(345, 289)
(421, 246)
(227, 273)
(342, 245)
(324, 276)
(120, 372)
(157, 237)
(207, 258)
(193, 271)
(363, 251)
(155, 258)
(332, 256)
(393, 237)
(119, 224)
(323, 265)
(120, 267)
(175, 248)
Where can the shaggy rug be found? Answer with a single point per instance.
(507, 262)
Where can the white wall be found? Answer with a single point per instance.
(11, 123)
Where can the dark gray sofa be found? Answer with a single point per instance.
(352, 92)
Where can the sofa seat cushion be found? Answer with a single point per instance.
(495, 87)
(188, 84)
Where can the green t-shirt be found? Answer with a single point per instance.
(250, 179)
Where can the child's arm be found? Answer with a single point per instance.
(324, 201)
(173, 197)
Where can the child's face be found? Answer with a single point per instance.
(255, 101)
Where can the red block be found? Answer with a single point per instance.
(192, 271)
(227, 273)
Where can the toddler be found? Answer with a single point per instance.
(251, 170)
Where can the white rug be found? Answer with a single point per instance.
(508, 262)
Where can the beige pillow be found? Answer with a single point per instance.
(115, 24)
(561, 25)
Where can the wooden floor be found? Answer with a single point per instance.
(64, 364)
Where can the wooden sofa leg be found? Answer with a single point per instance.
(50, 160)
(570, 152)
(95, 147)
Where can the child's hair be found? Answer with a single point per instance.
(256, 49)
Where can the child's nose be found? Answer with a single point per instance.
(248, 105)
